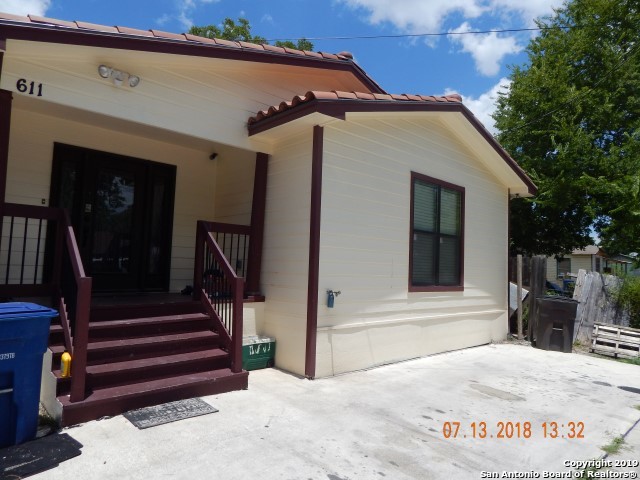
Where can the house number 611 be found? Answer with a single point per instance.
(32, 88)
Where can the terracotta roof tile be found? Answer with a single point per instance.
(95, 26)
(346, 54)
(349, 95)
(195, 38)
(364, 96)
(293, 51)
(312, 54)
(174, 36)
(17, 18)
(255, 46)
(329, 56)
(52, 21)
(134, 31)
(227, 43)
(339, 96)
(321, 96)
(274, 48)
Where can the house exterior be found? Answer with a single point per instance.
(592, 259)
(147, 161)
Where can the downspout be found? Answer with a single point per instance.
(314, 252)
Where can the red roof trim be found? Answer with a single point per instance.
(42, 29)
(337, 104)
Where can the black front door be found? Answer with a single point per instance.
(121, 209)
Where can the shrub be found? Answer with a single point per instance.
(628, 297)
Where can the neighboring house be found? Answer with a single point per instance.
(309, 176)
(620, 265)
(592, 259)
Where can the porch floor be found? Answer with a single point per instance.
(138, 298)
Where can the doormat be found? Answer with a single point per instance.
(21, 461)
(168, 412)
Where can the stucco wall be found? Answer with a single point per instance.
(365, 247)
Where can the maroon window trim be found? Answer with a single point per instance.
(436, 288)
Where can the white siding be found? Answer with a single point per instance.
(285, 261)
(202, 97)
(234, 187)
(29, 174)
(578, 262)
(365, 247)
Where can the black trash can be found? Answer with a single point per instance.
(24, 333)
(556, 319)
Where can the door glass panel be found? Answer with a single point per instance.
(156, 227)
(68, 176)
(113, 218)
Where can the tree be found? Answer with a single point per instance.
(572, 120)
(241, 31)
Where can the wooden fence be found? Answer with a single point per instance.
(534, 272)
(594, 291)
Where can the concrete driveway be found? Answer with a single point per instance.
(384, 423)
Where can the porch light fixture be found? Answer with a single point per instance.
(118, 76)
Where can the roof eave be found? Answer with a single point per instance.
(339, 108)
(12, 30)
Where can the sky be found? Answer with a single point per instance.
(475, 66)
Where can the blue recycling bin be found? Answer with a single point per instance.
(24, 333)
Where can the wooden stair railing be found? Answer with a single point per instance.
(80, 296)
(221, 292)
(64, 280)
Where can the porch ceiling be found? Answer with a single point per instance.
(42, 107)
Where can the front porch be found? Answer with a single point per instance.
(134, 340)
(130, 350)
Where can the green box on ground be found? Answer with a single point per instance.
(258, 352)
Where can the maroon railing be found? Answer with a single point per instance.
(25, 228)
(24, 231)
(221, 291)
(233, 241)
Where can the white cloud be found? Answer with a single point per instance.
(266, 18)
(416, 16)
(427, 16)
(431, 16)
(483, 106)
(163, 19)
(528, 10)
(25, 7)
(487, 50)
(186, 8)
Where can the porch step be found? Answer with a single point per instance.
(119, 399)
(145, 369)
(106, 313)
(190, 322)
(156, 354)
(110, 351)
